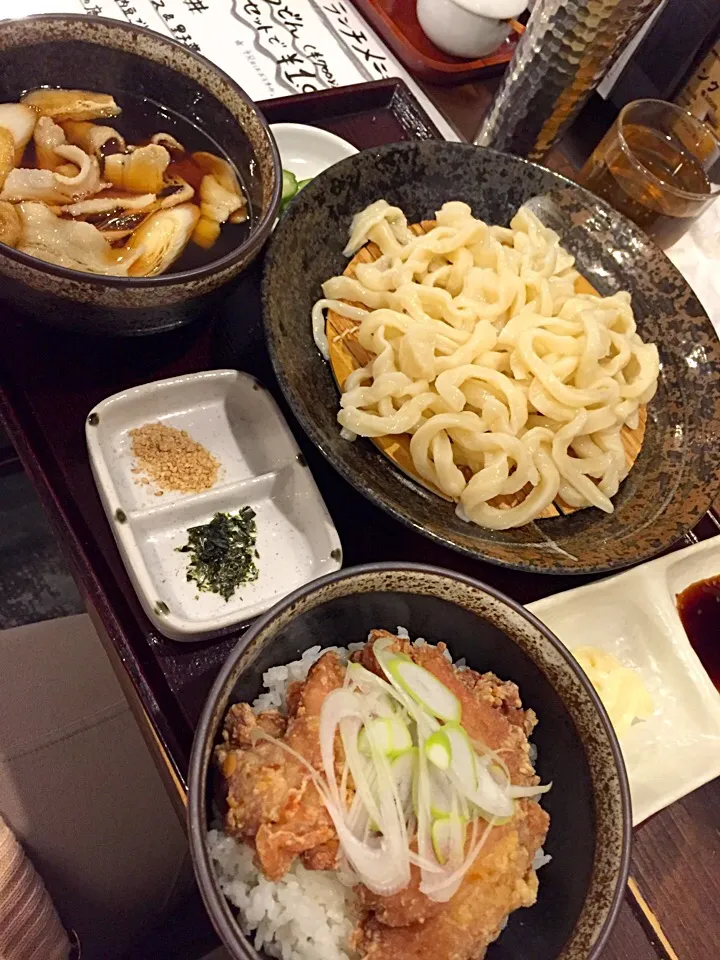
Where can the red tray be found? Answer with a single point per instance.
(397, 23)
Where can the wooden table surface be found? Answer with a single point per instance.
(672, 909)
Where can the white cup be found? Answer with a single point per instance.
(468, 28)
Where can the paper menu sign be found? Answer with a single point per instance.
(272, 48)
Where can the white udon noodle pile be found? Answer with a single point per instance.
(485, 354)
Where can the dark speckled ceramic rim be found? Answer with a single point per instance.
(262, 227)
(216, 704)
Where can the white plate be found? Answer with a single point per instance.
(307, 151)
(237, 420)
(633, 616)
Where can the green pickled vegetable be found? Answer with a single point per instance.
(290, 188)
(289, 185)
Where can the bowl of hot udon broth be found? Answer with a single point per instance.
(137, 180)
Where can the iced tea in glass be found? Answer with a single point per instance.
(658, 165)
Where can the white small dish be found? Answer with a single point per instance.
(468, 28)
(307, 151)
(237, 420)
(633, 616)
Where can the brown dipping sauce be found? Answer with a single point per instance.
(699, 609)
(139, 120)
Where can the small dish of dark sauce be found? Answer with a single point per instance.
(699, 609)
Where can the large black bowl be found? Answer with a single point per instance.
(677, 475)
(91, 53)
(582, 887)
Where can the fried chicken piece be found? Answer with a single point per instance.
(492, 713)
(366, 657)
(271, 799)
(324, 856)
(500, 880)
(502, 730)
(500, 694)
(240, 722)
(241, 761)
(401, 909)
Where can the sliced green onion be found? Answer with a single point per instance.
(489, 818)
(368, 682)
(370, 863)
(403, 770)
(462, 757)
(528, 791)
(488, 795)
(450, 749)
(491, 758)
(390, 734)
(290, 188)
(421, 802)
(419, 771)
(426, 724)
(344, 710)
(385, 706)
(499, 774)
(437, 750)
(425, 689)
(444, 831)
(441, 794)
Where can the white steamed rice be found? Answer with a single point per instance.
(308, 913)
(305, 915)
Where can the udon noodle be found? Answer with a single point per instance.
(508, 380)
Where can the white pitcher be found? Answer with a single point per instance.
(468, 28)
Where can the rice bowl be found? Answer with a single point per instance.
(580, 888)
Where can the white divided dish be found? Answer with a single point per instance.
(307, 151)
(634, 617)
(237, 420)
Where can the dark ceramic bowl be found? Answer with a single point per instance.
(91, 53)
(677, 475)
(581, 889)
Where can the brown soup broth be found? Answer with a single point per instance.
(139, 120)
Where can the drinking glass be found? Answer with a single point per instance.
(658, 165)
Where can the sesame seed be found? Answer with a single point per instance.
(172, 460)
